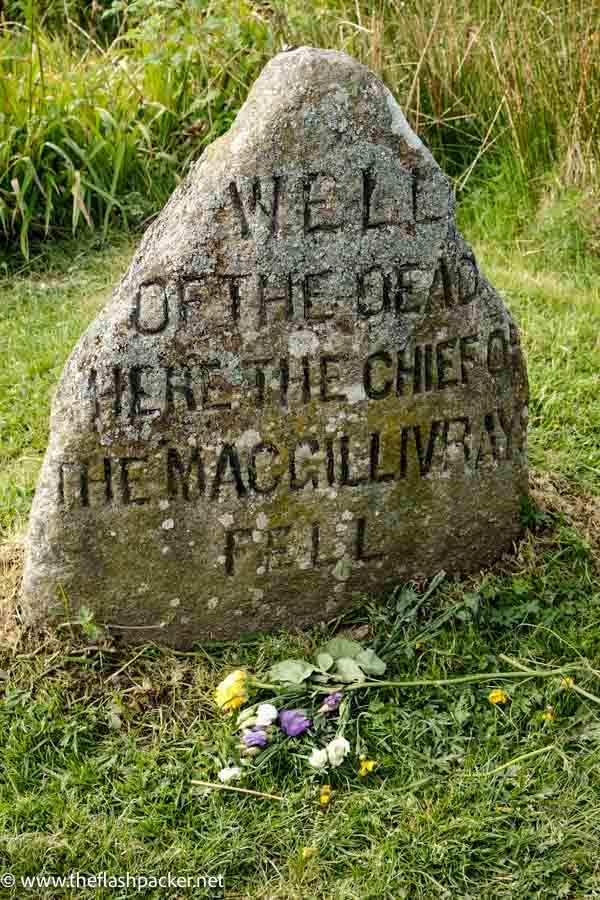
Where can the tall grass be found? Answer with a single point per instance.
(98, 124)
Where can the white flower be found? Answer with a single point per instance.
(318, 759)
(337, 750)
(266, 715)
(230, 773)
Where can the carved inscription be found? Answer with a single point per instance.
(410, 453)
(259, 300)
(200, 386)
(304, 463)
(305, 206)
(291, 204)
(275, 549)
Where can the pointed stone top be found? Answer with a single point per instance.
(309, 102)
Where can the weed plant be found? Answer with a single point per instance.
(101, 116)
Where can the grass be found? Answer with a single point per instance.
(100, 746)
(100, 115)
(560, 319)
(41, 318)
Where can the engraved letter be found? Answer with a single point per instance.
(231, 546)
(126, 495)
(374, 453)
(443, 363)
(372, 392)
(276, 546)
(178, 473)
(360, 546)
(312, 476)
(252, 469)
(327, 377)
(321, 208)
(228, 458)
(151, 308)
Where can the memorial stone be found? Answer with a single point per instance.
(302, 392)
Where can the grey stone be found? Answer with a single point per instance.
(303, 390)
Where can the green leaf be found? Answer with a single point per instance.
(294, 671)
(324, 661)
(85, 615)
(341, 647)
(371, 663)
(114, 721)
(348, 670)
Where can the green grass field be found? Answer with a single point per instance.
(100, 745)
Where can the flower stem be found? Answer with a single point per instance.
(584, 693)
(267, 685)
(511, 762)
(465, 679)
(521, 673)
(239, 790)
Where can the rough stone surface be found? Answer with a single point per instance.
(302, 391)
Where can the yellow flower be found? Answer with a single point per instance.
(549, 715)
(366, 766)
(231, 692)
(308, 852)
(567, 682)
(497, 696)
(325, 796)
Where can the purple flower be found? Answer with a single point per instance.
(293, 722)
(256, 737)
(332, 701)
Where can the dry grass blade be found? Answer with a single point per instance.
(419, 65)
(238, 790)
(485, 146)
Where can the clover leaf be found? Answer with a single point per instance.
(341, 647)
(348, 670)
(324, 661)
(371, 663)
(294, 671)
